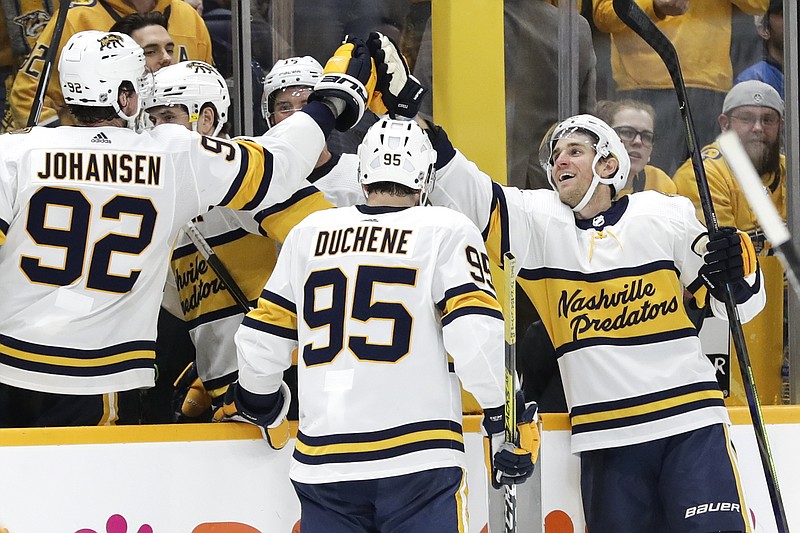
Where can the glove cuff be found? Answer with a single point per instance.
(347, 88)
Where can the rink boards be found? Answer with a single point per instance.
(222, 478)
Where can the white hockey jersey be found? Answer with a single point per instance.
(87, 219)
(375, 298)
(610, 293)
(195, 294)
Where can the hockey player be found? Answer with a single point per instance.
(286, 90)
(375, 297)
(88, 214)
(194, 94)
(608, 279)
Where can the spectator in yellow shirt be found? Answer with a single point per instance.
(701, 33)
(185, 26)
(754, 110)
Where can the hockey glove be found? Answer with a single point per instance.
(729, 258)
(190, 400)
(268, 412)
(512, 464)
(347, 82)
(398, 93)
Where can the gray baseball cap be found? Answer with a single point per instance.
(752, 92)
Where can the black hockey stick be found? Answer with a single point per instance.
(636, 19)
(767, 214)
(217, 265)
(47, 68)
(510, 418)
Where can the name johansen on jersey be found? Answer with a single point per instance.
(107, 167)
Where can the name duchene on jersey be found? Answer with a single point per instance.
(364, 239)
(105, 167)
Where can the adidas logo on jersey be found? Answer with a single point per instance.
(101, 138)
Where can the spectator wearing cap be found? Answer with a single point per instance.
(770, 68)
(754, 110)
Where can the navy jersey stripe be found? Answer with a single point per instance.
(305, 192)
(237, 182)
(635, 420)
(471, 310)
(76, 353)
(272, 329)
(370, 436)
(357, 457)
(266, 181)
(644, 398)
(212, 316)
(217, 240)
(546, 273)
(279, 300)
(628, 341)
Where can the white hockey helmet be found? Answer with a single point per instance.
(191, 84)
(302, 71)
(397, 151)
(605, 142)
(93, 65)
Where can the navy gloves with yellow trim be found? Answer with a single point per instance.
(397, 93)
(729, 257)
(512, 464)
(347, 82)
(267, 411)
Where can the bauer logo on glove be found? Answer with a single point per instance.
(348, 82)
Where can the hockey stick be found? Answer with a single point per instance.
(217, 265)
(636, 19)
(47, 68)
(767, 214)
(510, 418)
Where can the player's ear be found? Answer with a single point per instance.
(206, 120)
(608, 166)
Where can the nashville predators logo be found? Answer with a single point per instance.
(110, 41)
(200, 68)
(32, 23)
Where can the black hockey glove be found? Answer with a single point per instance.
(398, 93)
(729, 258)
(512, 464)
(350, 78)
(268, 412)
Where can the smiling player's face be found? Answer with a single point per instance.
(572, 167)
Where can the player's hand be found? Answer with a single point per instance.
(512, 464)
(729, 257)
(190, 400)
(270, 419)
(398, 93)
(349, 77)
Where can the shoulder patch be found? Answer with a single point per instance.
(711, 153)
(33, 22)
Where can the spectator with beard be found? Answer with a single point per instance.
(754, 110)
